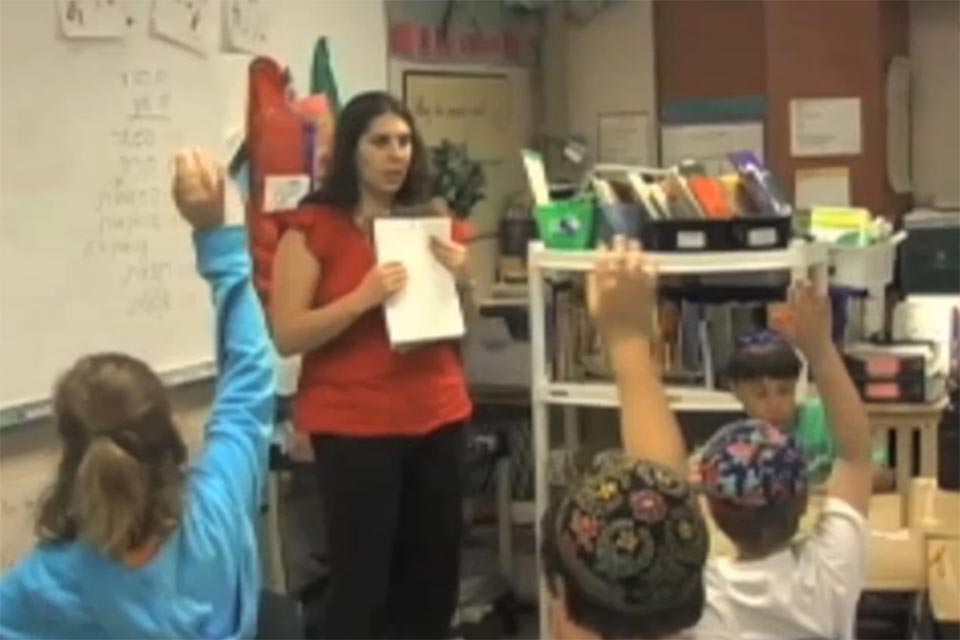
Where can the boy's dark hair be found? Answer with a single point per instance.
(763, 354)
(759, 532)
(664, 594)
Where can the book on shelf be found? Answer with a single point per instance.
(711, 196)
(695, 340)
(760, 185)
(682, 203)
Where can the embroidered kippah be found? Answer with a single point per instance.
(632, 536)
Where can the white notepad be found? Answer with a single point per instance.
(428, 308)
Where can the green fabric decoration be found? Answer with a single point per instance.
(322, 79)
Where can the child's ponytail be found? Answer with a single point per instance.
(110, 498)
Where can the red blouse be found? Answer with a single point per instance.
(356, 385)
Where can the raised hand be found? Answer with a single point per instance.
(198, 188)
(621, 291)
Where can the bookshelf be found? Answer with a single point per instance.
(801, 259)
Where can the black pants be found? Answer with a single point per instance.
(279, 617)
(393, 517)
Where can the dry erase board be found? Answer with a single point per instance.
(93, 104)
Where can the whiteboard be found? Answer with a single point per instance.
(92, 254)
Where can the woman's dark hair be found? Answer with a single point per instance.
(775, 359)
(341, 184)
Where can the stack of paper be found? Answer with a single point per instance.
(428, 308)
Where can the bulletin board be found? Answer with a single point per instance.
(477, 110)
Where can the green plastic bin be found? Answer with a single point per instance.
(567, 224)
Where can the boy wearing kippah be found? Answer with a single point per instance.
(763, 373)
(623, 549)
(756, 479)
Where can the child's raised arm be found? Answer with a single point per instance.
(621, 295)
(808, 327)
(234, 459)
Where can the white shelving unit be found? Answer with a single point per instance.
(800, 259)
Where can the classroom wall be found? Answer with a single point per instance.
(935, 58)
(695, 65)
(839, 49)
(483, 255)
(705, 62)
(605, 65)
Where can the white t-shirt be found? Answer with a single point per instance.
(809, 590)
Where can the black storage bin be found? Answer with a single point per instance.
(739, 234)
(860, 367)
(685, 235)
(761, 232)
(930, 256)
(911, 388)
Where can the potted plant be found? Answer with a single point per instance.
(457, 178)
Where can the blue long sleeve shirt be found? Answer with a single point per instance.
(205, 580)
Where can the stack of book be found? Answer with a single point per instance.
(687, 192)
(696, 339)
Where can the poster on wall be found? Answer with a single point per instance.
(624, 138)
(182, 22)
(822, 187)
(95, 19)
(467, 121)
(709, 144)
(244, 24)
(821, 127)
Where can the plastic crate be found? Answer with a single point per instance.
(864, 268)
(567, 224)
(739, 234)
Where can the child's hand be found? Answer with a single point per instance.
(198, 189)
(806, 321)
(621, 291)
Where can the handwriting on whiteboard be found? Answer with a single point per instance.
(130, 207)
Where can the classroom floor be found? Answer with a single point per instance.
(480, 557)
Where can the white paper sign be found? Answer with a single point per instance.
(825, 127)
(183, 22)
(245, 25)
(822, 187)
(91, 18)
(428, 307)
(284, 193)
(624, 138)
(536, 176)
(709, 144)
